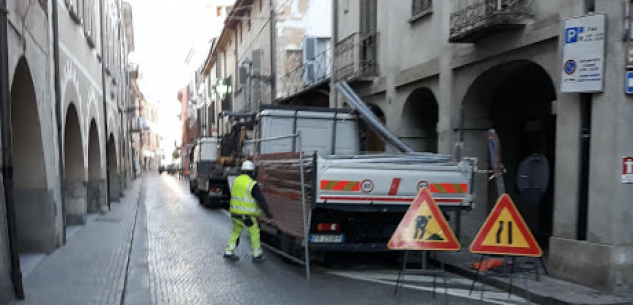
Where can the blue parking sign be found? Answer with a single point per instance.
(572, 34)
(629, 82)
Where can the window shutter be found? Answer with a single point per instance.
(258, 57)
(241, 76)
(309, 52)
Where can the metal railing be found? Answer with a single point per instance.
(311, 73)
(469, 15)
(356, 56)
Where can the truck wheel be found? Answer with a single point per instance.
(213, 202)
(287, 245)
(192, 188)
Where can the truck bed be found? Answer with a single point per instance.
(367, 195)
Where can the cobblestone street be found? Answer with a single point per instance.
(186, 242)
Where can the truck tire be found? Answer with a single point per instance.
(192, 187)
(213, 202)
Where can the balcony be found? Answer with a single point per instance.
(313, 73)
(139, 124)
(356, 57)
(476, 19)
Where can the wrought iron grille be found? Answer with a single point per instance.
(312, 72)
(471, 14)
(356, 56)
(421, 7)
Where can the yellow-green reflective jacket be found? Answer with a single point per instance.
(242, 201)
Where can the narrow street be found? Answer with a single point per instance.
(185, 246)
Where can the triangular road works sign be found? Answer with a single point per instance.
(424, 227)
(505, 233)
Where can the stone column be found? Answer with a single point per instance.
(34, 211)
(97, 195)
(75, 201)
(115, 187)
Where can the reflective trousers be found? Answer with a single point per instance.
(253, 233)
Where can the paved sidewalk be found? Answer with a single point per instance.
(91, 267)
(546, 291)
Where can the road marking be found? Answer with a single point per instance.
(491, 297)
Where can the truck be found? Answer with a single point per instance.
(326, 194)
(207, 177)
(354, 201)
(214, 160)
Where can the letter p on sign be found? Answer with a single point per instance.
(571, 34)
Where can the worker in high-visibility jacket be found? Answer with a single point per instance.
(245, 196)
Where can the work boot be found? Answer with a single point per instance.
(258, 258)
(229, 255)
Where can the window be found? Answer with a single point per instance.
(248, 21)
(421, 8)
(261, 5)
(239, 30)
(89, 22)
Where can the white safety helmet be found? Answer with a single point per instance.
(248, 166)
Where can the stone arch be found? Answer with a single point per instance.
(74, 169)
(34, 210)
(515, 98)
(420, 116)
(96, 175)
(374, 142)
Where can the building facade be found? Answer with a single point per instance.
(150, 135)
(258, 56)
(68, 84)
(441, 72)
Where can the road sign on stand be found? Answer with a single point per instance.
(458, 152)
(424, 227)
(505, 233)
(495, 151)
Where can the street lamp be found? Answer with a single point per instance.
(221, 89)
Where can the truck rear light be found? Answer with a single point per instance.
(328, 227)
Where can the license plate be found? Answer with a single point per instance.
(327, 238)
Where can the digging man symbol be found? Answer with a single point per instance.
(420, 226)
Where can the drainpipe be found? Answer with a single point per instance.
(586, 101)
(58, 110)
(7, 158)
(333, 77)
(273, 52)
(105, 98)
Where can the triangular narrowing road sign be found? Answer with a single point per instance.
(424, 227)
(505, 233)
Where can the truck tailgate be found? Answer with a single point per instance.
(393, 180)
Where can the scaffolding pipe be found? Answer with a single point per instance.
(370, 118)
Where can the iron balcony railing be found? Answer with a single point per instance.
(313, 72)
(138, 124)
(355, 57)
(472, 17)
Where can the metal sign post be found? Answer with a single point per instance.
(495, 161)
